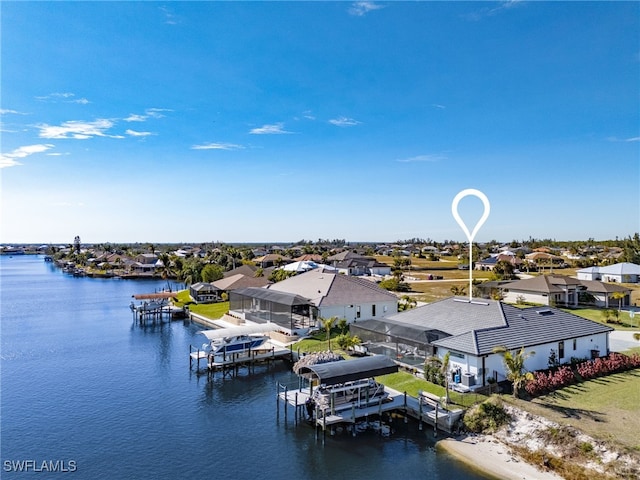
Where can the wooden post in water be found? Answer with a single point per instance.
(278, 385)
(353, 419)
(406, 420)
(420, 411)
(435, 424)
(285, 403)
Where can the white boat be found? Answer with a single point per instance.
(361, 393)
(243, 339)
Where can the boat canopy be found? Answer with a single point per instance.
(153, 296)
(240, 330)
(349, 370)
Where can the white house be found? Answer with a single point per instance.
(620, 273)
(342, 296)
(470, 331)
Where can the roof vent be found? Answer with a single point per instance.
(546, 311)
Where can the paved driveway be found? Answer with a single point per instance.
(621, 340)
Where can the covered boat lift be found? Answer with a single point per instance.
(332, 373)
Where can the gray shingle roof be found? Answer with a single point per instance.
(524, 328)
(326, 289)
(454, 316)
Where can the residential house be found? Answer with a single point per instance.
(555, 290)
(562, 290)
(202, 292)
(337, 295)
(488, 264)
(470, 331)
(271, 259)
(355, 264)
(619, 273)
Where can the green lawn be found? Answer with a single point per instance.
(412, 385)
(595, 314)
(607, 408)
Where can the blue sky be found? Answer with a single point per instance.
(281, 121)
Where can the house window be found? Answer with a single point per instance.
(373, 310)
(575, 344)
(358, 311)
(561, 350)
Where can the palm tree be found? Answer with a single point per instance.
(327, 324)
(618, 296)
(444, 369)
(514, 363)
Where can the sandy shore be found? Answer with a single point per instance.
(489, 455)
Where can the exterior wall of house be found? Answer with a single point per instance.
(362, 311)
(512, 297)
(494, 366)
(589, 276)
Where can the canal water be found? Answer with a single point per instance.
(87, 393)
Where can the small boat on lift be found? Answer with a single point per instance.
(361, 393)
(242, 339)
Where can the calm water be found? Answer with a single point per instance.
(81, 383)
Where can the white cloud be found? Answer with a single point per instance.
(66, 97)
(6, 111)
(491, 11)
(9, 159)
(135, 118)
(149, 113)
(133, 133)
(169, 17)
(217, 146)
(269, 130)
(157, 112)
(344, 122)
(422, 158)
(362, 8)
(437, 105)
(630, 139)
(77, 129)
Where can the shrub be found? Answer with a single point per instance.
(487, 416)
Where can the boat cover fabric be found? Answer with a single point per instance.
(349, 370)
(240, 330)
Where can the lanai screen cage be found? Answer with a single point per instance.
(289, 311)
(406, 343)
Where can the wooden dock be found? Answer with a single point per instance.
(424, 409)
(230, 362)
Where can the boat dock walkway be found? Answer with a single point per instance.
(425, 409)
(232, 361)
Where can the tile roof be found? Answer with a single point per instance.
(524, 328)
(326, 289)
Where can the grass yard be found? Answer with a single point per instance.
(607, 408)
(209, 310)
(595, 314)
(406, 382)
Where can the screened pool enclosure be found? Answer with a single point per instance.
(405, 343)
(291, 312)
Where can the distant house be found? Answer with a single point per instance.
(355, 264)
(561, 290)
(620, 273)
(271, 259)
(488, 264)
(553, 290)
(544, 259)
(238, 281)
(470, 331)
(202, 292)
